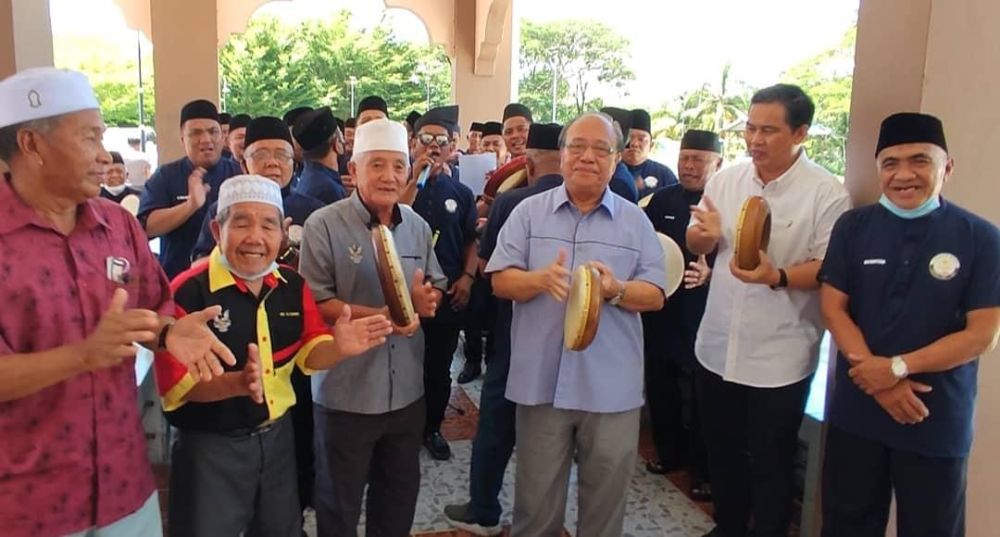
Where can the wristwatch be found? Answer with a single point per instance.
(782, 280)
(617, 299)
(899, 369)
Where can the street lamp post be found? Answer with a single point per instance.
(353, 80)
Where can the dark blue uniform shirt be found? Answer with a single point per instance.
(623, 184)
(650, 168)
(297, 206)
(320, 182)
(911, 283)
(167, 188)
(449, 208)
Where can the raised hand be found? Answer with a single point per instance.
(357, 336)
(193, 344)
(554, 279)
(709, 222)
(251, 376)
(197, 189)
(425, 297)
(111, 341)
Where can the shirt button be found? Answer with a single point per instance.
(264, 339)
(268, 371)
(271, 401)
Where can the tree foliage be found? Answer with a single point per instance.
(586, 58)
(271, 68)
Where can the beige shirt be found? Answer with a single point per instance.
(751, 334)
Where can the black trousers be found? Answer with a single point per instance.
(673, 405)
(232, 485)
(752, 436)
(440, 342)
(381, 451)
(479, 320)
(302, 420)
(860, 475)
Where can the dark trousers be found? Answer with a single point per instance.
(381, 451)
(752, 436)
(494, 442)
(440, 342)
(223, 485)
(860, 475)
(479, 320)
(302, 420)
(673, 406)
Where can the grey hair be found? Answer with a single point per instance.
(8, 134)
(223, 215)
(619, 144)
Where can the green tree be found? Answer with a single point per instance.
(827, 77)
(585, 58)
(272, 67)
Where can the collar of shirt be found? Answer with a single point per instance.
(219, 277)
(549, 181)
(788, 175)
(19, 214)
(561, 198)
(368, 216)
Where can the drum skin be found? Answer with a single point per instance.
(753, 232)
(673, 256)
(507, 177)
(131, 204)
(391, 277)
(583, 312)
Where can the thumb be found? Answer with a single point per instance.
(118, 301)
(345, 314)
(920, 387)
(561, 257)
(253, 355)
(855, 359)
(208, 313)
(708, 204)
(702, 260)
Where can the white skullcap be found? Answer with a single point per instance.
(381, 135)
(44, 92)
(241, 188)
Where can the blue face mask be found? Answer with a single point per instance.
(247, 277)
(924, 209)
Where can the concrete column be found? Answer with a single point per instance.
(481, 96)
(25, 35)
(186, 63)
(936, 56)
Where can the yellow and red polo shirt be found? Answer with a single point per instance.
(283, 321)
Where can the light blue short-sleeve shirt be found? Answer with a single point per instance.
(607, 376)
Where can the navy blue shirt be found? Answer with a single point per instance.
(670, 211)
(297, 206)
(168, 188)
(321, 182)
(449, 208)
(911, 283)
(650, 168)
(623, 184)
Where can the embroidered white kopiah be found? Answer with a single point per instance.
(43, 92)
(243, 188)
(381, 135)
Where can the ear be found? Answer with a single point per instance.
(28, 143)
(216, 231)
(948, 168)
(799, 134)
(352, 168)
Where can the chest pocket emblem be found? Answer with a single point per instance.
(354, 253)
(222, 322)
(450, 205)
(651, 182)
(944, 266)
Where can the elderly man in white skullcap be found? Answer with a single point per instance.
(80, 287)
(235, 447)
(386, 418)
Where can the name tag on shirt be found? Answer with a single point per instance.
(182, 198)
(117, 269)
(669, 217)
(874, 262)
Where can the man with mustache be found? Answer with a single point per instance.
(175, 199)
(649, 174)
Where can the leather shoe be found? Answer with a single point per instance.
(437, 446)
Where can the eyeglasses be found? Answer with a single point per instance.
(440, 140)
(264, 155)
(599, 150)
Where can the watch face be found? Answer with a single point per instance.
(898, 367)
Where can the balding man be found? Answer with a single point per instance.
(176, 197)
(588, 401)
(81, 287)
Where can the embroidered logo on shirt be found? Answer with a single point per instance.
(450, 205)
(944, 266)
(354, 253)
(651, 182)
(295, 234)
(222, 322)
(117, 269)
(874, 262)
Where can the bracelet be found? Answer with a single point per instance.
(161, 342)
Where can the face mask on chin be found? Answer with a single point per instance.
(924, 209)
(115, 190)
(243, 276)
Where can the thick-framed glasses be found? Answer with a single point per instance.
(265, 155)
(599, 150)
(439, 140)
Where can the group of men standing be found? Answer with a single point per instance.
(289, 386)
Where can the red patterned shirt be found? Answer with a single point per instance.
(72, 455)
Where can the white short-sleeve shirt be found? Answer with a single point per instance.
(751, 334)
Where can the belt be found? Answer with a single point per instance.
(263, 428)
